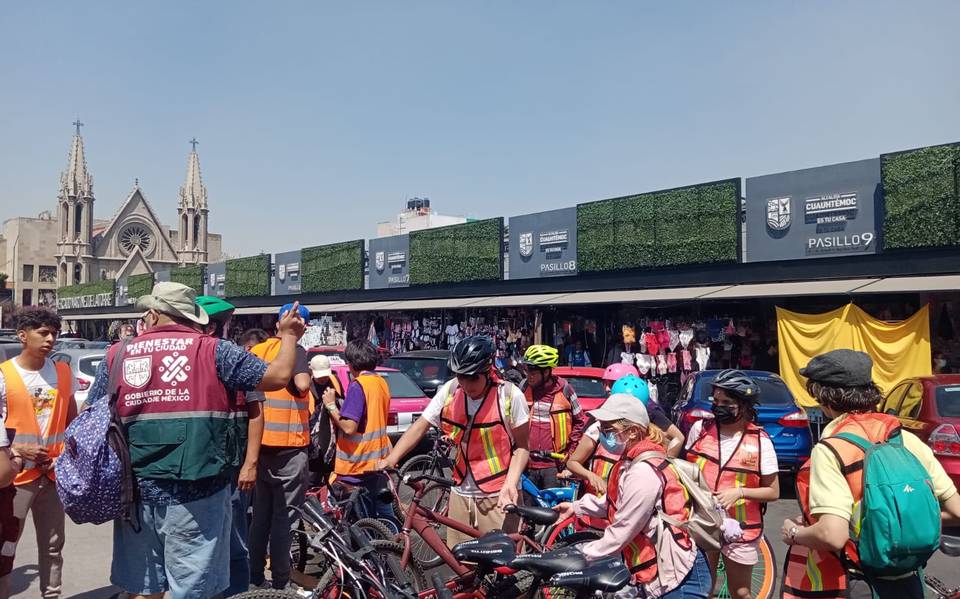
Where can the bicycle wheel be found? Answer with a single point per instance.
(764, 574)
(390, 553)
(375, 529)
(573, 529)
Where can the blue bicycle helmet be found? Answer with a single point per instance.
(632, 385)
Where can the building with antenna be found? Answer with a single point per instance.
(70, 245)
(416, 216)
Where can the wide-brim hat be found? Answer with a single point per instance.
(174, 299)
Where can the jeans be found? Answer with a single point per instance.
(905, 588)
(183, 548)
(281, 489)
(239, 555)
(371, 504)
(697, 585)
(40, 498)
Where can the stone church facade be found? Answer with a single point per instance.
(134, 240)
(71, 245)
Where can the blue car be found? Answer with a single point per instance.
(778, 413)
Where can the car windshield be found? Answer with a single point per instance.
(587, 386)
(424, 372)
(948, 401)
(400, 385)
(773, 391)
(88, 364)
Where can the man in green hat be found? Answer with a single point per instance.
(249, 419)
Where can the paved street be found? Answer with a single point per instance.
(87, 558)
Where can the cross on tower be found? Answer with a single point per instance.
(77, 124)
(194, 142)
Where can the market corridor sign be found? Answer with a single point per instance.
(813, 213)
(543, 244)
(389, 264)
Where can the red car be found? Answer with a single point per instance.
(586, 382)
(407, 401)
(929, 407)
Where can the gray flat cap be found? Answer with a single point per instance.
(840, 368)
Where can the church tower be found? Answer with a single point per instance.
(75, 217)
(192, 214)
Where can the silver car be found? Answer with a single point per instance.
(83, 363)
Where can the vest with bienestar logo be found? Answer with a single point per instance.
(175, 411)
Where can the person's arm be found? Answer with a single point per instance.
(950, 510)
(828, 533)
(579, 419)
(641, 489)
(248, 472)
(577, 461)
(8, 467)
(410, 439)
(675, 440)
(280, 370)
(510, 494)
(348, 419)
(301, 371)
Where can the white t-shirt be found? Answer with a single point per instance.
(4, 439)
(42, 386)
(728, 444)
(519, 415)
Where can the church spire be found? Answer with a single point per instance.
(76, 181)
(193, 194)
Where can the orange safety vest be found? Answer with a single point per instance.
(741, 470)
(561, 416)
(286, 417)
(489, 447)
(640, 554)
(823, 574)
(358, 453)
(22, 416)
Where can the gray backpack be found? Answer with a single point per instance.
(706, 521)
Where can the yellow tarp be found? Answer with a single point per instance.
(899, 350)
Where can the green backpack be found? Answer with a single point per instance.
(899, 514)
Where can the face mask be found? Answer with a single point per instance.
(611, 443)
(941, 363)
(725, 414)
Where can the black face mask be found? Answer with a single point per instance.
(726, 414)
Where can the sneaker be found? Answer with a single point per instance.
(295, 588)
(263, 586)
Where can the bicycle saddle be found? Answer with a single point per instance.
(537, 515)
(547, 564)
(495, 549)
(607, 574)
(950, 545)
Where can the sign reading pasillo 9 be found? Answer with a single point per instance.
(817, 212)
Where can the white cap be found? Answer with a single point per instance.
(622, 406)
(320, 365)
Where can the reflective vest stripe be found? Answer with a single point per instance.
(283, 404)
(563, 426)
(282, 427)
(180, 415)
(376, 454)
(561, 421)
(490, 450)
(486, 451)
(360, 438)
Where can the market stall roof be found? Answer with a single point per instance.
(636, 295)
(506, 301)
(823, 287)
(913, 284)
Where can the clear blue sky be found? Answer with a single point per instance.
(316, 120)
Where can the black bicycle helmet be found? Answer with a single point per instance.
(473, 355)
(737, 383)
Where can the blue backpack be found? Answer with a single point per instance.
(94, 478)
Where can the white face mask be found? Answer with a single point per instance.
(941, 363)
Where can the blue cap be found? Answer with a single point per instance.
(304, 313)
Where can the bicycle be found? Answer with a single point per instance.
(340, 510)
(359, 568)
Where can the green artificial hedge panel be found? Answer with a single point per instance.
(333, 267)
(472, 251)
(687, 225)
(139, 285)
(191, 276)
(247, 276)
(921, 203)
(106, 286)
